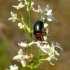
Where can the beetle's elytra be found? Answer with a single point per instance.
(38, 26)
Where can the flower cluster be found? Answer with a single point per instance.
(46, 13)
(45, 45)
(52, 50)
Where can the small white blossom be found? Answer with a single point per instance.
(45, 38)
(46, 8)
(49, 17)
(50, 58)
(49, 12)
(45, 48)
(20, 5)
(45, 25)
(46, 29)
(14, 17)
(20, 25)
(21, 57)
(32, 3)
(47, 32)
(42, 18)
(53, 51)
(13, 67)
(39, 9)
(27, 4)
(23, 44)
(57, 48)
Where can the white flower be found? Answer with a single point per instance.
(47, 17)
(27, 4)
(57, 48)
(45, 25)
(42, 18)
(45, 48)
(50, 58)
(32, 3)
(46, 29)
(47, 32)
(39, 9)
(45, 38)
(53, 51)
(21, 57)
(20, 5)
(21, 26)
(14, 17)
(13, 67)
(50, 18)
(46, 8)
(23, 44)
(49, 12)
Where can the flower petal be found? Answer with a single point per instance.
(17, 57)
(20, 52)
(22, 44)
(45, 25)
(23, 63)
(26, 57)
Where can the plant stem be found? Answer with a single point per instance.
(30, 25)
(39, 55)
(22, 20)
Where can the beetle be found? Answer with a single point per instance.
(38, 27)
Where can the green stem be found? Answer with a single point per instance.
(22, 20)
(25, 25)
(39, 56)
(43, 59)
(30, 25)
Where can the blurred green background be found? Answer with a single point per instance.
(10, 34)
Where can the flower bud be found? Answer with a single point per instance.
(21, 26)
